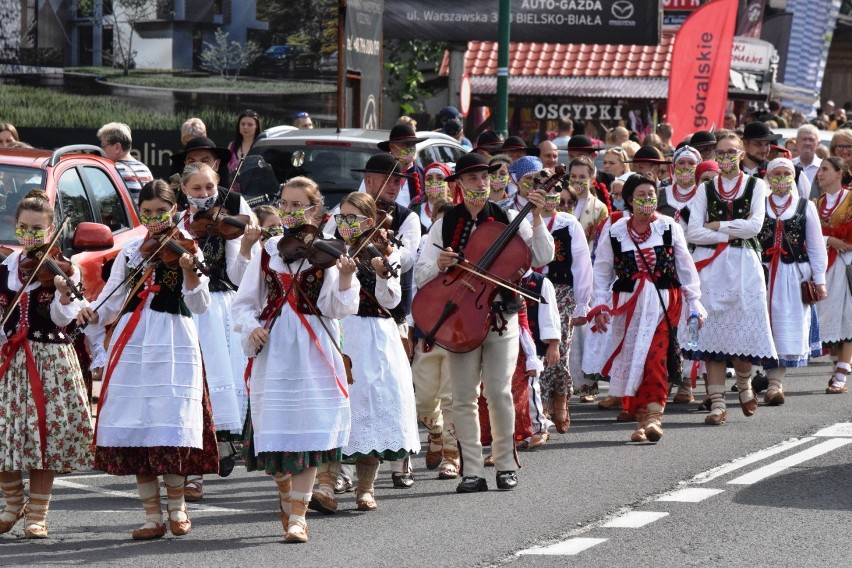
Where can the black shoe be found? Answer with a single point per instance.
(343, 484)
(759, 382)
(507, 480)
(402, 480)
(227, 461)
(472, 484)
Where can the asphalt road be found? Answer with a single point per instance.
(762, 491)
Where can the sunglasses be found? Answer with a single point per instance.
(350, 218)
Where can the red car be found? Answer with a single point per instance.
(84, 188)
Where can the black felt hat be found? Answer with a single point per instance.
(702, 138)
(472, 162)
(759, 131)
(488, 141)
(583, 143)
(400, 133)
(516, 144)
(201, 143)
(648, 155)
(382, 163)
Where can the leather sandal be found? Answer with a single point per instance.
(716, 419)
(836, 387)
(653, 424)
(7, 526)
(433, 456)
(749, 407)
(638, 435)
(297, 532)
(149, 533)
(193, 490)
(609, 402)
(774, 397)
(561, 416)
(180, 528)
(625, 416)
(488, 461)
(365, 502)
(538, 439)
(449, 468)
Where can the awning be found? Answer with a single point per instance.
(608, 87)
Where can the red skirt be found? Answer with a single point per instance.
(520, 398)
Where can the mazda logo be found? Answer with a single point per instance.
(623, 9)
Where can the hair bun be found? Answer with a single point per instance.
(37, 193)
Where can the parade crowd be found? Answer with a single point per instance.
(473, 299)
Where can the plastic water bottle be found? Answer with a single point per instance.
(692, 331)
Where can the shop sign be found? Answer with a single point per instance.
(636, 22)
(751, 54)
(577, 112)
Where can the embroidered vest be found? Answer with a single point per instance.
(214, 257)
(367, 307)
(665, 208)
(720, 210)
(456, 230)
(310, 283)
(534, 282)
(559, 269)
(627, 265)
(41, 326)
(793, 234)
(406, 279)
(170, 297)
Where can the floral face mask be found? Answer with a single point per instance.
(551, 201)
(781, 185)
(435, 188)
(727, 164)
(581, 186)
(158, 223)
(685, 177)
(349, 230)
(407, 155)
(31, 239)
(499, 182)
(295, 218)
(201, 203)
(645, 205)
(475, 197)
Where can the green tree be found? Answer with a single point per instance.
(405, 62)
(226, 57)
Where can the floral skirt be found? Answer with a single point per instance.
(68, 426)
(520, 399)
(287, 463)
(159, 460)
(556, 379)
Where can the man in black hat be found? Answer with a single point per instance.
(648, 159)
(402, 144)
(757, 140)
(493, 362)
(705, 142)
(488, 144)
(515, 148)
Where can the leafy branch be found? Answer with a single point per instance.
(405, 64)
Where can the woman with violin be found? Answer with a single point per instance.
(45, 423)
(384, 418)
(227, 241)
(286, 311)
(643, 271)
(154, 416)
(508, 246)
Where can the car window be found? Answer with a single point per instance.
(73, 202)
(15, 183)
(329, 166)
(107, 199)
(446, 154)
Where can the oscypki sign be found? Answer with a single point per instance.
(577, 112)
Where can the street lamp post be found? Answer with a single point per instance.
(501, 125)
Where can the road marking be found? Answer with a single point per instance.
(744, 461)
(840, 430)
(788, 462)
(135, 496)
(568, 547)
(634, 520)
(690, 495)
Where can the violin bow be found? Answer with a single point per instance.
(224, 199)
(367, 237)
(42, 260)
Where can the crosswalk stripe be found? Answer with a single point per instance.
(744, 461)
(690, 495)
(568, 547)
(788, 462)
(634, 519)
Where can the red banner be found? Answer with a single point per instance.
(701, 61)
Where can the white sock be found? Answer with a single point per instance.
(716, 393)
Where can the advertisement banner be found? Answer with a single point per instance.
(751, 18)
(362, 51)
(701, 61)
(637, 22)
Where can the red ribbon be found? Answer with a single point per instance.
(702, 264)
(10, 348)
(121, 343)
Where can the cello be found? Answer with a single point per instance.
(454, 309)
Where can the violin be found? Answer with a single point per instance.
(454, 310)
(169, 249)
(54, 265)
(303, 243)
(378, 245)
(5, 252)
(216, 221)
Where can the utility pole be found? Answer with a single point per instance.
(501, 123)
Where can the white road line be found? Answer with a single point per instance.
(840, 430)
(135, 496)
(568, 547)
(634, 520)
(690, 495)
(744, 461)
(788, 462)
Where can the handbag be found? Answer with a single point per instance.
(674, 357)
(808, 287)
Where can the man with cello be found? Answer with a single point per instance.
(452, 275)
